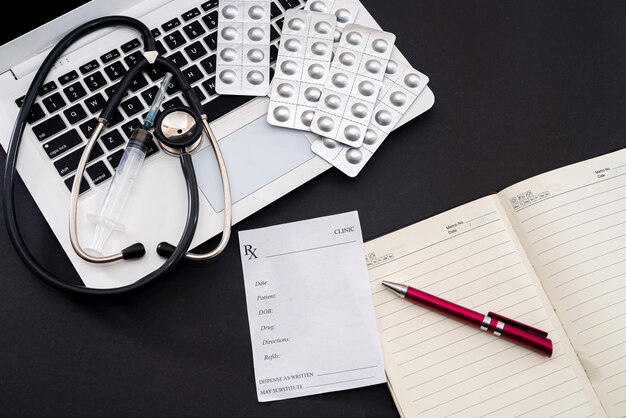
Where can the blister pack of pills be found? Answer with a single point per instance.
(243, 47)
(402, 85)
(344, 10)
(351, 89)
(302, 67)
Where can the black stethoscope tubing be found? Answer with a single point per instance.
(112, 104)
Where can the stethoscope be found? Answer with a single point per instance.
(179, 131)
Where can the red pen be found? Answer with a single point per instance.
(499, 325)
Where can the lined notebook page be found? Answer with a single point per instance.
(440, 367)
(574, 222)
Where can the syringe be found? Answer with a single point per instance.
(127, 171)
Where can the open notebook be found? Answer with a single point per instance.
(550, 252)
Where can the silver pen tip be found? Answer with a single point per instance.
(398, 288)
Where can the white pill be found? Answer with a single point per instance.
(307, 117)
(412, 80)
(398, 98)
(289, 67)
(340, 80)
(337, 36)
(318, 6)
(323, 28)
(256, 55)
(352, 133)
(256, 12)
(343, 15)
(329, 143)
(228, 76)
(383, 118)
(285, 90)
(230, 12)
(256, 34)
(229, 33)
(332, 101)
(373, 66)
(392, 67)
(319, 48)
(354, 38)
(293, 45)
(316, 71)
(255, 77)
(367, 88)
(347, 58)
(370, 137)
(312, 94)
(359, 110)
(296, 24)
(282, 114)
(354, 156)
(325, 123)
(380, 46)
(228, 54)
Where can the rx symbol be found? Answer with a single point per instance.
(249, 252)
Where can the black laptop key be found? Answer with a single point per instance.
(75, 114)
(275, 11)
(155, 73)
(174, 40)
(115, 71)
(208, 64)
(49, 127)
(98, 172)
(273, 53)
(193, 74)
(20, 101)
(88, 127)
(115, 158)
(110, 56)
(131, 59)
(89, 67)
(84, 186)
(211, 4)
(61, 144)
(95, 103)
(195, 51)
(132, 106)
(168, 26)
(172, 88)
(187, 16)
(54, 102)
(209, 86)
(138, 83)
(148, 95)
(289, 4)
(66, 78)
(279, 23)
(112, 139)
(95, 81)
(156, 32)
(210, 20)
(160, 48)
(221, 105)
(211, 41)
(36, 113)
(199, 93)
(130, 45)
(152, 149)
(194, 29)
(178, 59)
(69, 163)
(75, 92)
(130, 126)
(175, 102)
(116, 118)
(48, 87)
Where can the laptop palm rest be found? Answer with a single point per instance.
(255, 155)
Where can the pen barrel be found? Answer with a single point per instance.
(444, 307)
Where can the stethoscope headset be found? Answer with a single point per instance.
(175, 139)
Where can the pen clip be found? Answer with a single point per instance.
(518, 325)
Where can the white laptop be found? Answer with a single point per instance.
(264, 162)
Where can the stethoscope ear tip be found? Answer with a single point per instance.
(134, 251)
(165, 249)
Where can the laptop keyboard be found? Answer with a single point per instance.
(64, 116)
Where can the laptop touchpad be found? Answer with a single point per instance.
(255, 155)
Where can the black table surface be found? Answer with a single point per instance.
(521, 88)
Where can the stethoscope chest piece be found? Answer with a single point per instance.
(178, 130)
